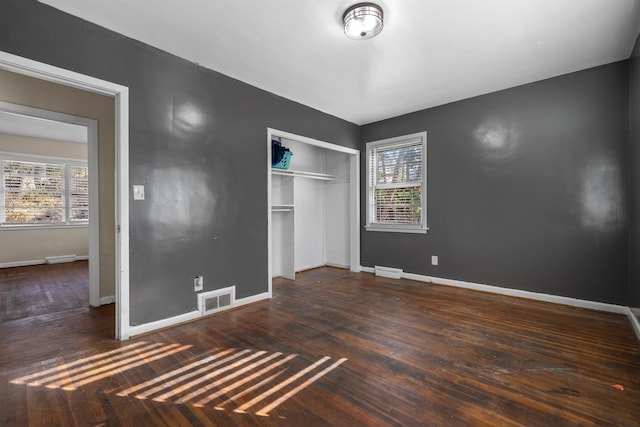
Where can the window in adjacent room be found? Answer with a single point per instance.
(397, 184)
(43, 191)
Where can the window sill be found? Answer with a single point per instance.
(41, 226)
(397, 229)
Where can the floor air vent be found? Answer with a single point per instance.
(218, 300)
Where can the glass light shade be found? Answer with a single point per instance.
(363, 21)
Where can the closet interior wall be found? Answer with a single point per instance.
(310, 210)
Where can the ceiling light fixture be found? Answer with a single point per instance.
(363, 21)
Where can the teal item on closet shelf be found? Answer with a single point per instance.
(280, 155)
(284, 163)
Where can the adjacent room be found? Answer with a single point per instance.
(320, 212)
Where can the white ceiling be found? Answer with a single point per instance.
(429, 53)
(35, 127)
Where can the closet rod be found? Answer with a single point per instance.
(301, 174)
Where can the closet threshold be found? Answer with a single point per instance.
(303, 174)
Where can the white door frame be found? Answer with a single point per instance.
(120, 94)
(92, 161)
(354, 195)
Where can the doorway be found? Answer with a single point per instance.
(303, 209)
(45, 125)
(119, 94)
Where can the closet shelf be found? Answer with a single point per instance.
(302, 174)
(281, 208)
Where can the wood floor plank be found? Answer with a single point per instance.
(330, 348)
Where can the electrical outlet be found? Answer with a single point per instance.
(434, 259)
(198, 283)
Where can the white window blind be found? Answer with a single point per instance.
(43, 192)
(396, 183)
(79, 193)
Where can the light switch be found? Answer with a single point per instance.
(138, 192)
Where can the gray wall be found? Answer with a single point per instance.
(634, 159)
(198, 143)
(526, 188)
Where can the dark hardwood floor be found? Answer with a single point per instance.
(332, 348)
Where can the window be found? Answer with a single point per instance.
(396, 192)
(43, 191)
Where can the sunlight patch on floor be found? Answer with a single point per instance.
(233, 377)
(240, 380)
(70, 376)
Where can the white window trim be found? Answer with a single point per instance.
(35, 158)
(397, 228)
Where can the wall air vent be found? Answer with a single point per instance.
(59, 259)
(218, 300)
(392, 273)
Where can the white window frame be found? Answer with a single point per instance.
(32, 158)
(398, 228)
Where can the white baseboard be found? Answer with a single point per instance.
(338, 265)
(109, 299)
(309, 267)
(328, 264)
(22, 263)
(164, 323)
(594, 305)
(634, 321)
(251, 299)
(192, 315)
(35, 262)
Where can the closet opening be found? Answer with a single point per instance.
(313, 206)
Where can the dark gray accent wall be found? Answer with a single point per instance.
(634, 160)
(526, 188)
(198, 144)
